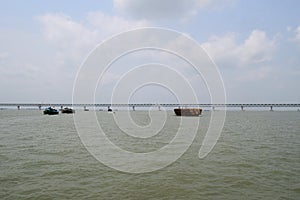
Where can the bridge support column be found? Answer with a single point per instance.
(271, 108)
(242, 108)
(133, 108)
(18, 107)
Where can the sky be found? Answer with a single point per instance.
(255, 45)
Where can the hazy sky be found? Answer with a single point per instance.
(255, 44)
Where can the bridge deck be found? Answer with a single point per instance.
(149, 105)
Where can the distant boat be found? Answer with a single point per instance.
(85, 109)
(109, 110)
(51, 111)
(188, 111)
(68, 110)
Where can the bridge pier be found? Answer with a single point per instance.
(271, 108)
(242, 108)
(18, 107)
(133, 108)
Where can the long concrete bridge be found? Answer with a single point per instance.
(242, 106)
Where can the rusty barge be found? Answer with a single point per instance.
(188, 111)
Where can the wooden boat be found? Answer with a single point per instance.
(68, 110)
(51, 111)
(188, 111)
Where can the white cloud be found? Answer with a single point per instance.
(222, 49)
(256, 48)
(164, 9)
(61, 29)
(297, 37)
(41, 64)
(70, 40)
(107, 25)
(74, 39)
(255, 74)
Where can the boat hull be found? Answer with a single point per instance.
(51, 111)
(67, 111)
(188, 111)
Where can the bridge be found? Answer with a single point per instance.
(242, 106)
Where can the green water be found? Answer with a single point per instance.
(256, 157)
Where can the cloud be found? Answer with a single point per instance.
(166, 9)
(255, 74)
(107, 25)
(297, 37)
(226, 50)
(40, 64)
(74, 39)
(62, 29)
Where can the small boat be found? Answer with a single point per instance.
(85, 109)
(188, 111)
(51, 111)
(109, 110)
(68, 110)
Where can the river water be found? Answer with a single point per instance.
(256, 157)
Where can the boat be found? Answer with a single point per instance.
(51, 111)
(85, 109)
(188, 111)
(68, 110)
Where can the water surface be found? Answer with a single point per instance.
(256, 157)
